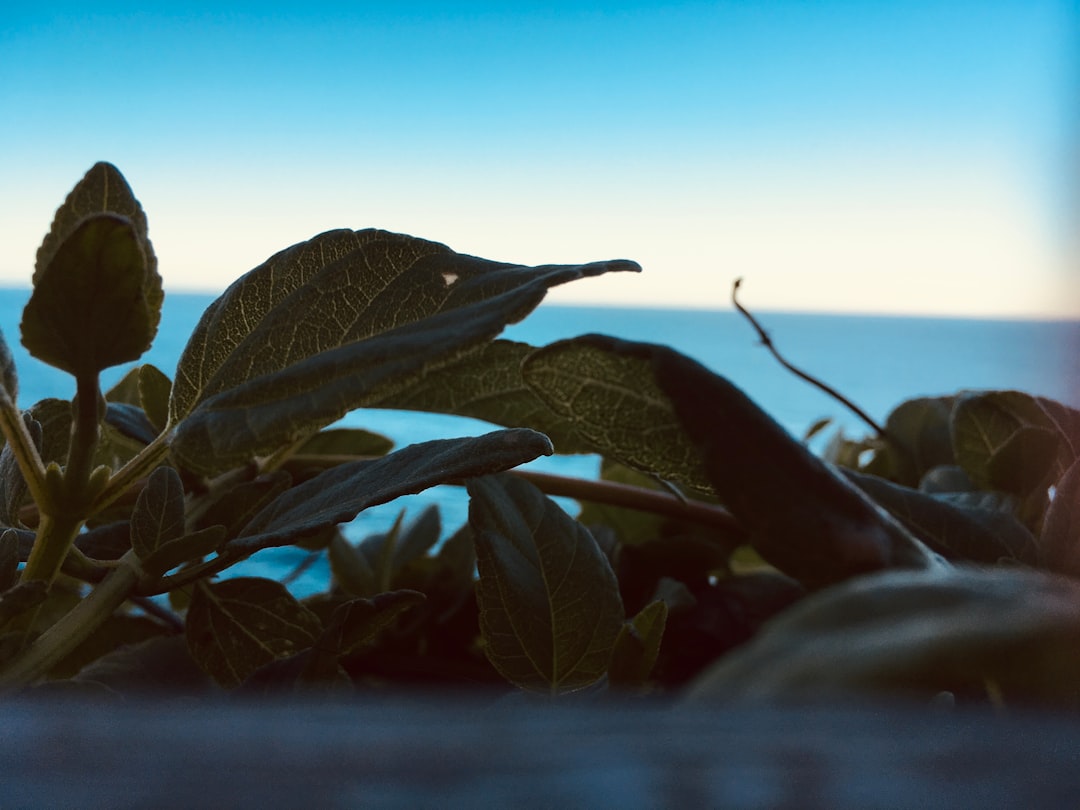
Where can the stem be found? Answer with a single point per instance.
(75, 627)
(85, 432)
(139, 467)
(22, 445)
(814, 381)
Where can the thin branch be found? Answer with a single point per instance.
(832, 392)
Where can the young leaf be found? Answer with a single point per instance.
(549, 602)
(97, 301)
(154, 391)
(915, 632)
(637, 647)
(102, 190)
(350, 567)
(338, 288)
(236, 626)
(358, 622)
(158, 516)
(339, 494)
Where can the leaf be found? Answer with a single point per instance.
(236, 626)
(117, 631)
(187, 547)
(921, 427)
(915, 632)
(237, 505)
(488, 384)
(339, 494)
(358, 622)
(339, 288)
(802, 517)
(1059, 546)
(158, 516)
(984, 428)
(97, 302)
(9, 379)
(130, 421)
(549, 602)
(22, 598)
(408, 544)
(612, 400)
(350, 567)
(638, 646)
(154, 391)
(102, 190)
(972, 534)
(13, 489)
(346, 442)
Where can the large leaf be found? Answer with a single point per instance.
(611, 399)
(259, 416)
(236, 626)
(549, 602)
(916, 632)
(339, 494)
(97, 302)
(488, 384)
(921, 429)
(802, 517)
(1013, 441)
(337, 288)
(964, 533)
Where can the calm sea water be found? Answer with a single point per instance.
(876, 362)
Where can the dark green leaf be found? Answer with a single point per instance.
(118, 630)
(102, 190)
(637, 647)
(409, 543)
(237, 505)
(130, 421)
(972, 533)
(97, 302)
(236, 626)
(154, 391)
(915, 632)
(339, 494)
(549, 602)
(1024, 461)
(158, 516)
(346, 442)
(611, 399)
(350, 567)
(186, 548)
(160, 665)
(1059, 546)
(921, 427)
(126, 390)
(358, 622)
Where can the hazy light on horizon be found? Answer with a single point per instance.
(841, 157)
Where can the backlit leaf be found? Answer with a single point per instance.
(338, 288)
(97, 301)
(611, 399)
(339, 494)
(236, 626)
(549, 602)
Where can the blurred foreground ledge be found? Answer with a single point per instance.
(405, 752)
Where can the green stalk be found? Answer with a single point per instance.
(75, 627)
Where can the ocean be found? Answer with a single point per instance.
(877, 362)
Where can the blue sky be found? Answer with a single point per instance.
(840, 156)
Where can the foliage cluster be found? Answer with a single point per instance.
(717, 557)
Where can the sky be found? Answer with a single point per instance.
(874, 157)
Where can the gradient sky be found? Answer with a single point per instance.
(910, 157)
